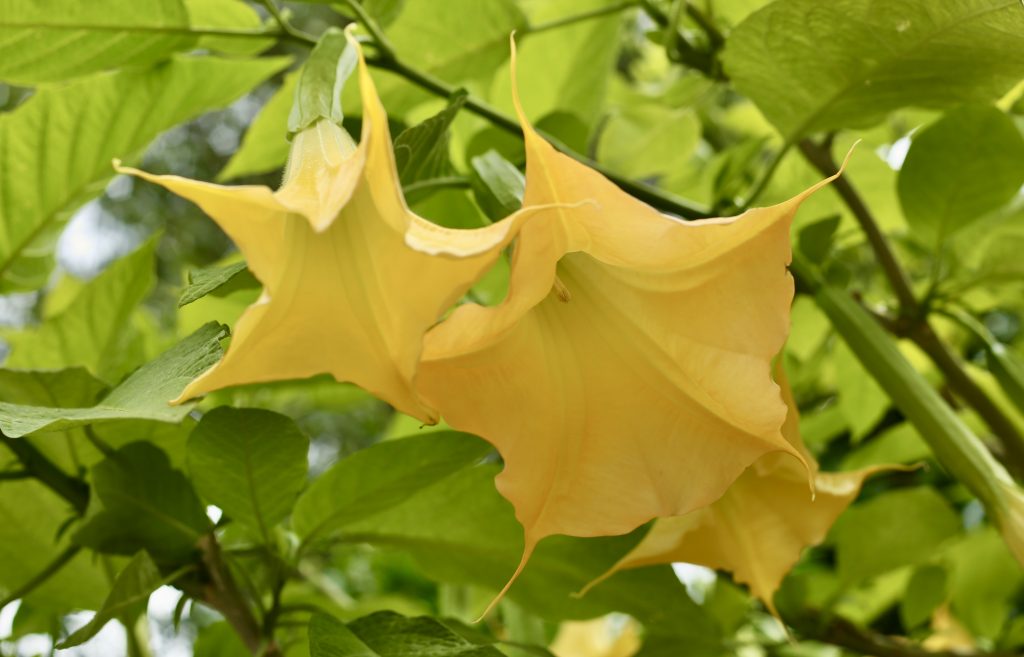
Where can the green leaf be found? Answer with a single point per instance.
(959, 168)
(900, 444)
(127, 599)
(318, 91)
(421, 152)
(227, 15)
(387, 634)
(249, 462)
(984, 581)
(812, 66)
(50, 40)
(815, 240)
(926, 590)
(861, 400)
(143, 395)
(219, 640)
(77, 129)
(381, 477)
(61, 389)
(462, 45)
(224, 280)
(329, 637)
(477, 540)
(32, 520)
(93, 331)
(144, 504)
(498, 186)
(896, 529)
(265, 145)
(649, 141)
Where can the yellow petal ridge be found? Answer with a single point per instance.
(650, 391)
(762, 524)
(352, 279)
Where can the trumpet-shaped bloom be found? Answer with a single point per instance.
(626, 375)
(351, 277)
(762, 524)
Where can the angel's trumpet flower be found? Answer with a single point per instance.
(627, 374)
(352, 279)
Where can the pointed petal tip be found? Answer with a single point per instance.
(528, 547)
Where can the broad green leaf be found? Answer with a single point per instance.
(815, 239)
(498, 186)
(318, 90)
(568, 69)
(926, 590)
(219, 640)
(56, 148)
(329, 637)
(861, 400)
(900, 444)
(959, 168)
(249, 462)
(50, 40)
(387, 634)
(93, 331)
(227, 15)
(813, 66)
(477, 540)
(380, 477)
(31, 519)
(143, 395)
(224, 280)
(143, 504)
(60, 389)
(127, 599)
(421, 152)
(984, 581)
(896, 529)
(462, 45)
(649, 141)
(265, 145)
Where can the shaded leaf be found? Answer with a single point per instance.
(249, 462)
(127, 599)
(984, 579)
(959, 168)
(143, 395)
(142, 503)
(813, 66)
(498, 186)
(388, 634)
(78, 128)
(51, 40)
(381, 477)
(212, 279)
(926, 591)
(421, 152)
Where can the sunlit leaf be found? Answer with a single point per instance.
(813, 66)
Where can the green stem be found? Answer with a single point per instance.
(42, 576)
(956, 447)
(581, 17)
(379, 38)
(912, 322)
(287, 30)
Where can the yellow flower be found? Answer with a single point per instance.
(626, 376)
(351, 277)
(762, 524)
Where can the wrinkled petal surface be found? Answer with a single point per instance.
(352, 278)
(762, 524)
(626, 376)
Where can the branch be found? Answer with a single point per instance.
(42, 576)
(581, 17)
(840, 632)
(913, 316)
(75, 491)
(287, 30)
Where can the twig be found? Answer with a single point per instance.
(581, 17)
(287, 29)
(15, 475)
(379, 39)
(840, 632)
(42, 576)
(912, 321)
(75, 491)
